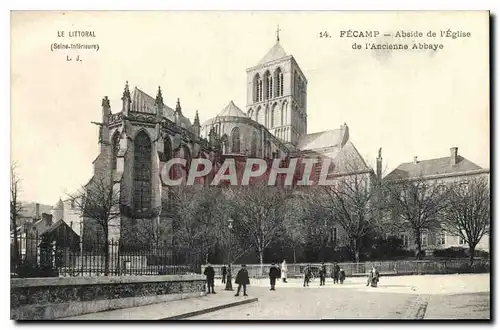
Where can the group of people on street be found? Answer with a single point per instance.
(275, 272)
(241, 279)
(338, 274)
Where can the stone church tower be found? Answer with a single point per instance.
(277, 95)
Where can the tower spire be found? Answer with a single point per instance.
(196, 119)
(178, 106)
(159, 97)
(278, 33)
(126, 91)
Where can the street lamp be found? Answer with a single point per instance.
(229, 285)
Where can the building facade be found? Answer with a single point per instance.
(439, 172)
(138, 139)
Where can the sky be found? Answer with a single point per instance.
(410, 103)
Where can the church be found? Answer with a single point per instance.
(144, 133)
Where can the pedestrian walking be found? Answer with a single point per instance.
(284, 270)
(210, 274)
(224, 274)
(322, 274)
(336, 270)
(307, 276)
(341, 276)
(242, 280)
(274, 273)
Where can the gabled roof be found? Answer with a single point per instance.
(143, 102)
(274, 53)
(429, 167)
(348, 160)
(326, 139)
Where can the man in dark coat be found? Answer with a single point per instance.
(336, 270)
(322, 274)
(224, 273)
(341, 276)
(274, 273)
(307, 275)
(242, 280)
(210, 274)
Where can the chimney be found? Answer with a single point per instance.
(47, 218)
(415, 160)
(37, 211)
(454, 156)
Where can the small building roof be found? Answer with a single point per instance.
(430, 167)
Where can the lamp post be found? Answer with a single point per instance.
(229, 285)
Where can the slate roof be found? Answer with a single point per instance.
(232, 110)
(331, 138)
(429, 167)
(229, 110)
(143, 102)
(274, 53)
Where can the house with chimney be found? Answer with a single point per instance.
(40, 225)
(440, 171)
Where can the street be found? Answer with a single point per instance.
(404, 297)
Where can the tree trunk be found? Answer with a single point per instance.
(418, 241)
(472, 251)
(106, 253)
(261, 258)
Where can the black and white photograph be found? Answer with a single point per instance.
(250, 165)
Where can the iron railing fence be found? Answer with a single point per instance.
(400, 267)
(40, 256)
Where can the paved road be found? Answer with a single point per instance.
(408, 297)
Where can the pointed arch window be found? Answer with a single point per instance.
(116, 148)
(279, 82)
(235, 140)
(260, 117)
(257, 81)
(167, 149)
(253, 146)
(224, 144)
(269, 85)
(142, 172)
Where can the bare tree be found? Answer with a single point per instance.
(352, 203)
(99, 202)
(258, 211)
(16, 208)
(467, 213)
(296, 223)
(197, 212)
(415, 205)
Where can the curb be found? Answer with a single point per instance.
(417, 309)
(209, 310)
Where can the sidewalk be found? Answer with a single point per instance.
(173, 310)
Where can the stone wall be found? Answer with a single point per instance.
(53, 298)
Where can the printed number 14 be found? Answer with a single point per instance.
(324, 35)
